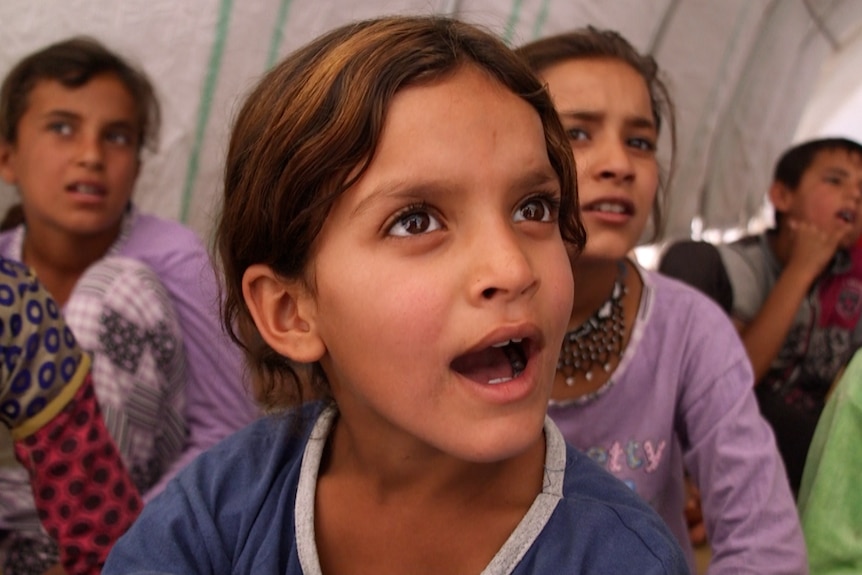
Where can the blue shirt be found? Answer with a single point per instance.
(247, 506)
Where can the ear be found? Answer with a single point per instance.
(284, 313)
(781, 197)
(7, 170)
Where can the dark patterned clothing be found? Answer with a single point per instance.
(826, 331)
(40, 356)
(84, 496)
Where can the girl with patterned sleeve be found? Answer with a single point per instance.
(82, 491)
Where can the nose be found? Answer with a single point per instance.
(612, 161)
(502, 268)
(90, 153)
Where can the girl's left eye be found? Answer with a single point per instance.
(642, 144)
(61, 128)
(119, 137)
(414, 221)
(537, 209)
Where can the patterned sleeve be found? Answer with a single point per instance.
(122, 314)
(84, 496)
(40, 355)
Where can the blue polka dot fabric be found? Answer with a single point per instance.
(38, 353)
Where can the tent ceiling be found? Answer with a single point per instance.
(741, 72)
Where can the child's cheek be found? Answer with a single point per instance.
(562, 285)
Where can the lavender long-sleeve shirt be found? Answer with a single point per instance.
(217, 403)
(682, 396)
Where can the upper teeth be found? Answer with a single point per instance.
(87, 189)
(507, 342)
(609, 207)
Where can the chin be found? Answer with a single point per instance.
(602, 254)
(850, 241)
(504, 441)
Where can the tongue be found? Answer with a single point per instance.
(485, 366)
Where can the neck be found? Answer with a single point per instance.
(396, 470)
(59, 259)
(594, 282)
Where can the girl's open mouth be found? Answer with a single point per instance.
(496, 364)
(848, 216)
(86, 189)
(610, 207)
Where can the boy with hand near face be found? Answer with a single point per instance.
(796, 290)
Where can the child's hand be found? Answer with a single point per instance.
(812, 247)
(694, 514)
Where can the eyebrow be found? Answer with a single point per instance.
(62, 114)
(422, 189)
(836, 171)
(69, 115)
(595, 117)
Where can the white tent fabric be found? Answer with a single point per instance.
(835, 107)
(741, 72)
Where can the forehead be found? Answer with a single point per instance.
(102, 96)
(467, 109)
(837, 158)
(466, 90)
(455, 133)
(596, 83)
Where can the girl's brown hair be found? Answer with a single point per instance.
(593, 43)
(73, 63)
(309, 130)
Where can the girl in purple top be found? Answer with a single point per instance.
(652, 378)
(75, 119)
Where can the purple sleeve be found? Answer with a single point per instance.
(217, 401)
(730, 450)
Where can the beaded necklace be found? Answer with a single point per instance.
(597, 341)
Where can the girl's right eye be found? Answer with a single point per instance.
(577, 134)
(413, 221)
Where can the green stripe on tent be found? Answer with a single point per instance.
(278, 33)
(222, 26)
(512, 22)
(539, 24)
